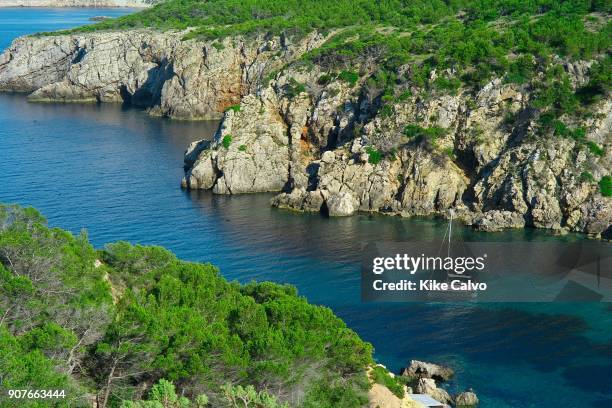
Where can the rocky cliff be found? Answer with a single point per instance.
(332, 141)
(171, 77)
(328, 147)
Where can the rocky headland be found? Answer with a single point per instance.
(334, 140)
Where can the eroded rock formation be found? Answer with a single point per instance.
(159, 71)
(421, 369)
(332, 145)
(493, 173)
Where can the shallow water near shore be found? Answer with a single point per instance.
(115, 171)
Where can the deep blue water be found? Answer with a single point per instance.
(115, 172)
(16, 21)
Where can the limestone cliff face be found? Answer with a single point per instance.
(77, 3)
(171, 77)
(329, 145)
(316, 148)
(254, 157)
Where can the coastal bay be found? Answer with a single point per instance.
(114, 171)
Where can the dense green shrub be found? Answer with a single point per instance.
(239, 397)
(294, 88)
(555, 93)
(521, 70)
(381, 376)
(23, 365)
(596, 149)
(561, 129)
(218, 45)
(235, 108)
(227, 141)
(349, 76)
(421, 134)
(144, 316)
(447, 84)
(586, 176)
(163, 395)
(600, 82)
(605, 186)
(404, 96)
(324, 79)
(374, 155)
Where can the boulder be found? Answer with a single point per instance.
(428, 386)
(341, 204)
(299, 200)
(328, 157)
(421, 369)
(496, 220)
(596, 217)
(466, 399)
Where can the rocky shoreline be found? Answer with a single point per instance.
(323, 141)
(418, 379)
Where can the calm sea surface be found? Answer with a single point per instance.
(115, 171)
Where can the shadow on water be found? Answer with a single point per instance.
(339, 239)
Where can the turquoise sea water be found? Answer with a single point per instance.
(115, 171)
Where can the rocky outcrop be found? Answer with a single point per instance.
(159, 71)
(421, 369)
(412, 183)
(342, 157)
(428, 386)
(77, 3)
(424, 376)
(329, 144)
(250, 153)
(466, 399)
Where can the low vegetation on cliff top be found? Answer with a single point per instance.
(462, 31)
(467, 42)
(130, 325)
